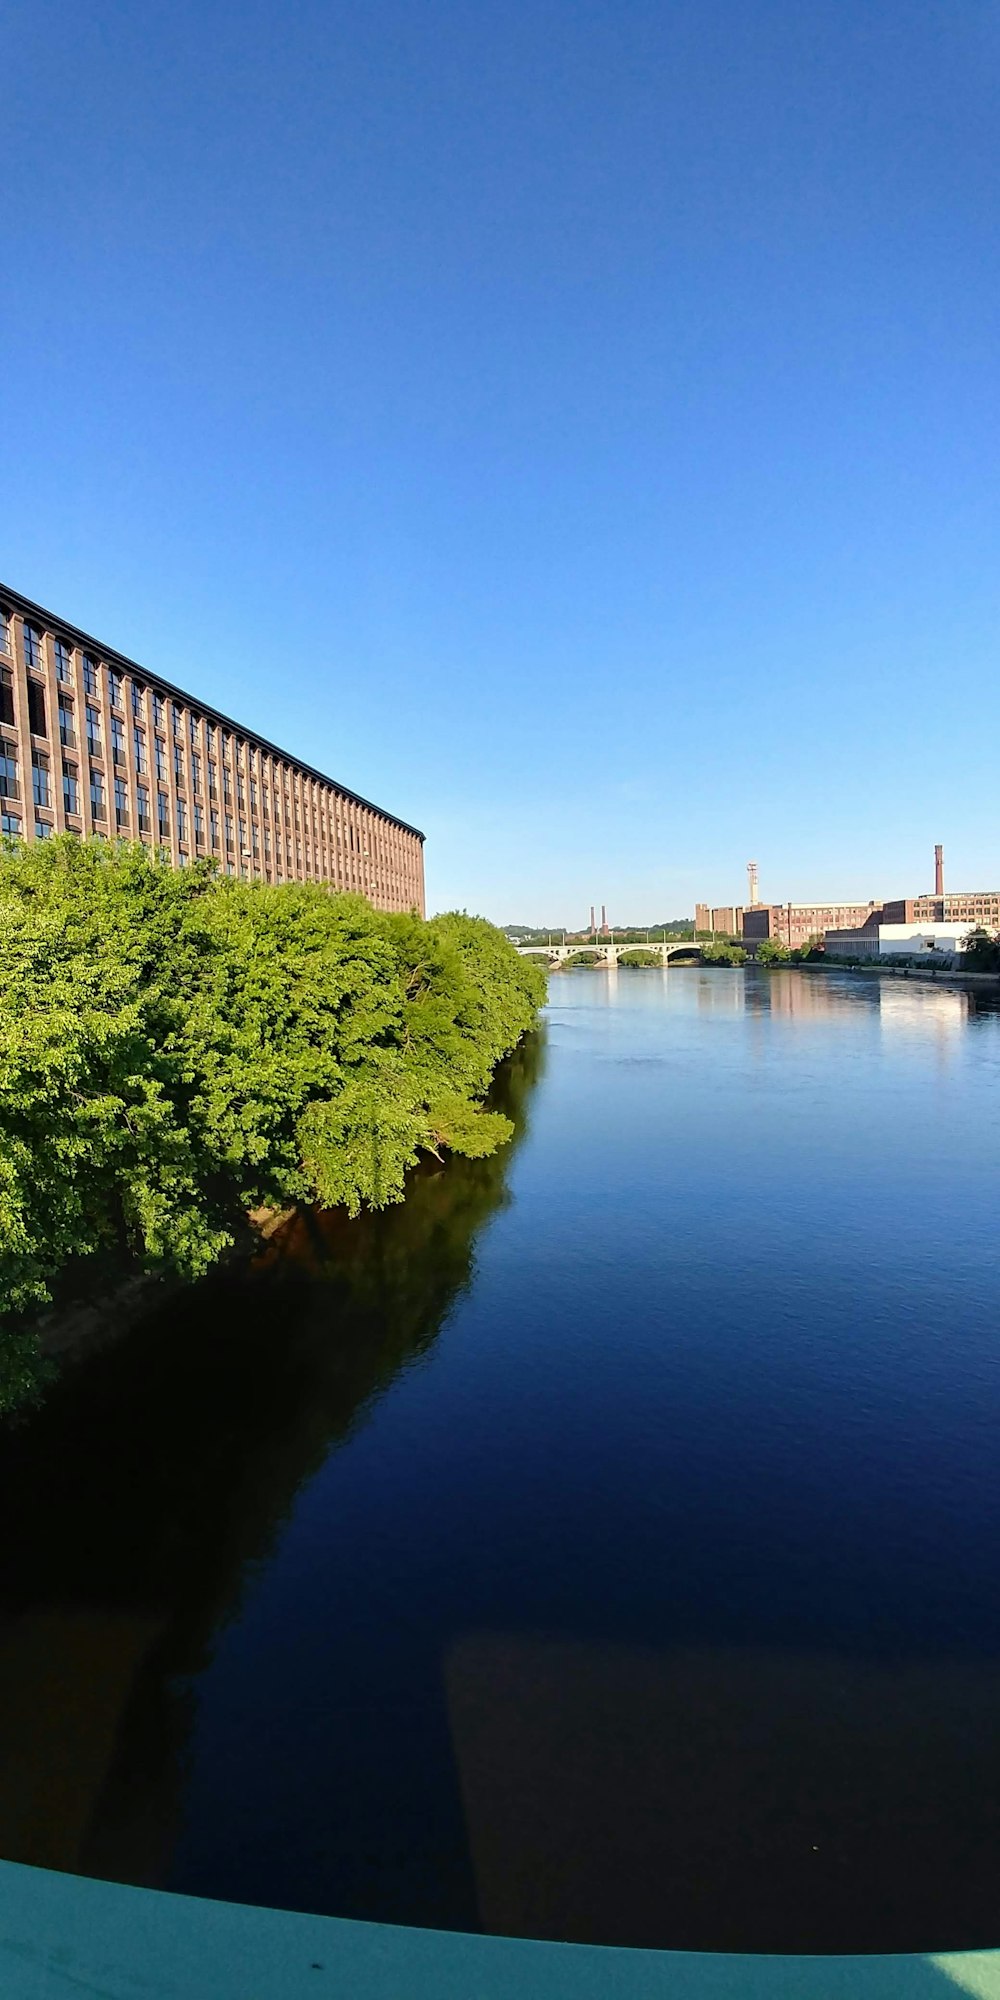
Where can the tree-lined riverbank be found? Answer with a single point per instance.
(179, 1048)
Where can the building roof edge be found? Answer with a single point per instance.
(26, 606)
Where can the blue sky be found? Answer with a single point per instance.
(573, 425)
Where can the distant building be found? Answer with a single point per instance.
(794, 924)
(959, 906)
(909, 939)
(725, 922)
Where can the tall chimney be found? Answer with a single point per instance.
(939, 871)
(591, 919)
(604, 919)
(752, 883)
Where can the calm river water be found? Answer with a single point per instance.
(604, 1545)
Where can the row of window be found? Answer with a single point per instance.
(42, 797)
(345, 835)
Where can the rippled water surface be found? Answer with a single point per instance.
(605, 1545)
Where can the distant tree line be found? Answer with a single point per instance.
(671, 927)
(179, 1047)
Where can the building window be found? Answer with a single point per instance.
(8, 773)
(10, 825)
(71, 789)
(195, 772)
(117, 740)
(178, 764)
(114, 688)
(91, 677)
(142, 800)
(243, 835)
(40, 779)
(229, 829)
(161, 759)
(182, 821)
(137, 694)
(4, 630)
(199, 824)
(212, 792)
(163, 814)
(6, 696)
(32, 646)
(64, 661)
(121, 803)
(193, 730)
(213, 827)
(97, 795)
(139, 741)
(210, 735)
(67, 736)
(159, 710)
(175, 709)
(42, 829)
(36, 709)
(227, 790)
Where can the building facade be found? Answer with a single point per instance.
(91, 743)
(955, 906)
(794, 924)
(727, 921)
(916, 938)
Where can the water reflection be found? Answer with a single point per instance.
(656, 1601)
(157, 1478)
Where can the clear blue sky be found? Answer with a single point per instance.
(572, 423)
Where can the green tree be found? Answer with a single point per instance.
(723, 951)
(772, 952)
(982, 950)
(178, 1047)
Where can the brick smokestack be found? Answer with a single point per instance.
(592, 918)
(939, 871)
(604, 920)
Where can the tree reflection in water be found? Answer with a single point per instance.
(156, 1478)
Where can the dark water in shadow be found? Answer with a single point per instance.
(604, 1545)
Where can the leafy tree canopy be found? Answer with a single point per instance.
(177, 1047)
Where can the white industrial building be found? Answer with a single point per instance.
(914, 940)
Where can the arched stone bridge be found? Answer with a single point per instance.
(661, 953)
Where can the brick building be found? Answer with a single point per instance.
(91, 743)
(957, 906)
(793, 924)
(725, 921)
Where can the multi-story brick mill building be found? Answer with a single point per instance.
(91, 743)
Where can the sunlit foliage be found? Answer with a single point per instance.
(178, 1047)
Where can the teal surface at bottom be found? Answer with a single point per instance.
(63, 1937)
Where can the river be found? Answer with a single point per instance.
(603, 1545)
